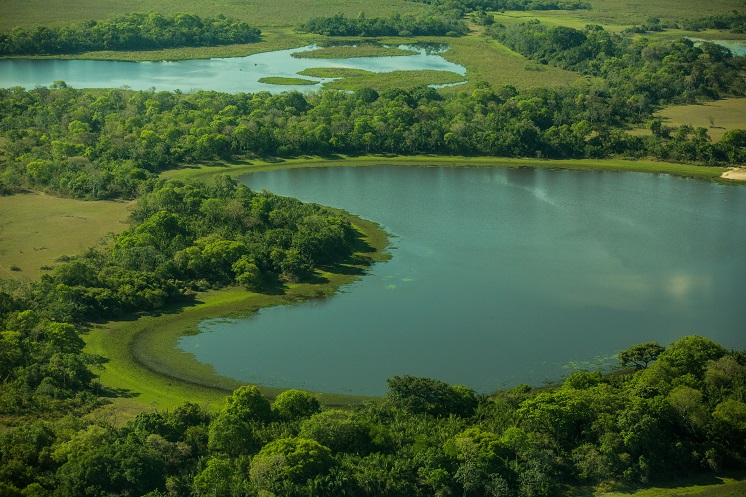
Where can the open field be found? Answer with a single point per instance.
(637, 11)
(145, 369)
(261, 13)
(397, 79)
(36, 229)
(487, 60)
(726, 115)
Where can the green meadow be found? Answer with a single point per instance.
(37, 229)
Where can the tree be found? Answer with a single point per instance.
(425, 395)
(640, 355)
(291, 460)
(248, 404)
(295, 404)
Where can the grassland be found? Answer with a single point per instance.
(334, 72)
(726, 115)
(280, 80)
(260, 13)
(36, 229)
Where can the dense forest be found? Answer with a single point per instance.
(103, 143)
(128, 32)
(394, 25)
(677, 410)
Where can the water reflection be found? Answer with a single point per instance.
(231, 75)
(499, 277)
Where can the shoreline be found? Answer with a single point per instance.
(149, 371)
(247, 166)
(145, 369)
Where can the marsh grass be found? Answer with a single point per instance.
(37, 229)
(349, 51)
(334, 72)
(280, 80)
(396, 79)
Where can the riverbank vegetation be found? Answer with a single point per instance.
(128, 32)
(680, 412)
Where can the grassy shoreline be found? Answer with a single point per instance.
(239, 168)
(145, 370)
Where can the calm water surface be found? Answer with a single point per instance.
(499, 277)
(231, 75)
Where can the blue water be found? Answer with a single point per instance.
(499, 277)
(231, 75)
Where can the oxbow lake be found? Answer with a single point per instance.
(499, 277)
(230, 75)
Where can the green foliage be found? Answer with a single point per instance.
(294, 405)
(640, 355)
(289, 460)
(427, 396)
(394, 25)
(127, 32)
(248, 404)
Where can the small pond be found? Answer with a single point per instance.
(737, 47)
(498, 277)
(230, 75)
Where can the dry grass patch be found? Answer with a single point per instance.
(36, 229)
(718, 117)
(725, 114)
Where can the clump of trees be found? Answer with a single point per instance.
(683, 412)
(134, 31)
(394, 25)
(502, 5)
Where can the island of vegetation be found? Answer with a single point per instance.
(666, 413)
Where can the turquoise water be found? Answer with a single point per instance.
(499, 277)
(231, 75)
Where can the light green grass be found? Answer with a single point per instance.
(396, 79)
(146, 371)
(239, 168)
(280, 80)
(733, 485)
(348, 51)
(36, 229)
(726, 114)
(487, 60)
(334, 72)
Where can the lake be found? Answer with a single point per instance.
(499, 277)
(231, 75)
